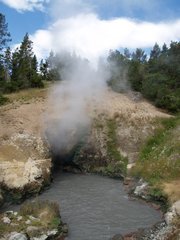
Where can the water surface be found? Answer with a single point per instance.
(97, 208)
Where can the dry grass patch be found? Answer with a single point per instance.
(35, 219)
(28, 94)
(46, 211)
(172, 189)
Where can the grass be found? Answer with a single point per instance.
(42, 214)
(119, 163)
(159, 160)
(28, 94)
(44, 210)
(3, 100)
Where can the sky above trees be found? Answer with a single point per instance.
(92, 27)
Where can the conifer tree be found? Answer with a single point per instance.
(8, 64)
(4, 34)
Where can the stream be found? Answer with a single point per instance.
(96, 207)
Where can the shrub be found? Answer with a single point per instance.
(3, 99)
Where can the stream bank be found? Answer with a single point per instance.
(96, 207)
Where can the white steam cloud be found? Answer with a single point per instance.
(80, 31)
(71, 104)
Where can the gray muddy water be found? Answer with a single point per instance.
(97, 208)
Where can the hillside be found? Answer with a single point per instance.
(23, 118)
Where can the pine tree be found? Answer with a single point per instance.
(155, 52)
(25, 66)
(164, 49)
(127, 53)
(4, 34)
(8, 64)
(139, 56)
(4, 39)
(44, 69)
(36, 80)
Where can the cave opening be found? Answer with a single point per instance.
(64, 162)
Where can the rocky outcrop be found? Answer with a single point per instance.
(34, 221)
(173, 213)
(24, 165)
(118, 124)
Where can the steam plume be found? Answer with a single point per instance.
(72, 101)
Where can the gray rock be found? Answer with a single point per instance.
(176, 207)
(52, 233)
(15, 213)
(169, 216)
(32, 228)
(33, 231)
(173, 212)
(6, 220)
(42, 237)
(28, 222)
(19, 218)
(33, 218)
(17, 236)
(140, 190)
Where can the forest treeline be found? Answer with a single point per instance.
(157, 76)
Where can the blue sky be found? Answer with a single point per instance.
(21, 22)
(52, 20)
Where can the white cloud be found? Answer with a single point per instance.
(42, 43)
(25, 5)
(78, 29)
(92, 37)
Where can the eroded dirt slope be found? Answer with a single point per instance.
(23, 155)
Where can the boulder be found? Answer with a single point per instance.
(6, 220)
(42, 237)
(17, 236)
(141, 189)
(176, 207)
(173, 212)
(25, 167)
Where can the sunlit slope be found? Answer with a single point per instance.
(159, 160)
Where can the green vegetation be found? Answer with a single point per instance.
(156, 78)
(41, 215)
(160, 157)
(35, 208)
(4, 34)
(19, 69)
(25, 95)
(119, 163)
(114, 165)
(159, 160)
(3, 100)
